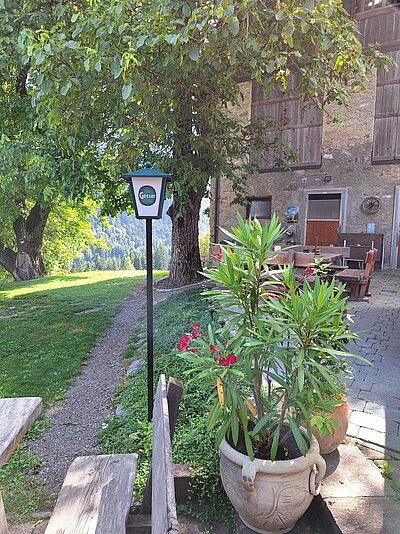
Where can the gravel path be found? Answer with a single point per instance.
(75, 423)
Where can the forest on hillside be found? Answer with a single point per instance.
(124, 243)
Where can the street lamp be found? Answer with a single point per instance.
(148, 193)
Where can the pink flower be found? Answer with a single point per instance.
(213, 349)
(194, 327)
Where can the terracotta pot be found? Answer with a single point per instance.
(271, 496)
(330, 442)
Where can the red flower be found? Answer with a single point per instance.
(309, 271)
(192, 350)
(183, 343)
(194, 327)
(229, 360)
(218, 258)
(213, 349)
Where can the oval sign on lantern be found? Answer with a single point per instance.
(147, 195)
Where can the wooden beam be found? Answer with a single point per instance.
(3, 520)
(16, 416)
(174, 396)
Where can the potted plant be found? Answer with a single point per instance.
(270, 366)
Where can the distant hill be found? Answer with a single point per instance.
(125, 239)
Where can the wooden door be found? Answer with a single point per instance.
(322, 232)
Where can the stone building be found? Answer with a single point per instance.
(347, 178)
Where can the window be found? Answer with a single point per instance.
(324, 206)
(364, 6)
(259, 207)
(386, 148)
(292, 120)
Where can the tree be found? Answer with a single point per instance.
(44, 178)
(164, 72)
(160, 261)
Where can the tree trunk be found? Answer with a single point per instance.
(27, 262)
(185, 259)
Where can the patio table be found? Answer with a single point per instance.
(16, 416)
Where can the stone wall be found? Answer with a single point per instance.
(346, 165)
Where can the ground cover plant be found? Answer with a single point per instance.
(193, 443)
(47, 328)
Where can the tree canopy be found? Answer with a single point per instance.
(151, 80)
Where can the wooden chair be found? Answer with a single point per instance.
(282, 257)
(358, 280)
(96, 495)
(303, 259)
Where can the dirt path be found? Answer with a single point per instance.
(75, 423)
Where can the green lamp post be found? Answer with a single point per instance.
(148, 187)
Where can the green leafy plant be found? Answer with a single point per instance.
(276, 360)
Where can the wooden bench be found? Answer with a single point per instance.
(96, 495)
(358, 280)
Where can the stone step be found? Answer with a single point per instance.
(357, 496)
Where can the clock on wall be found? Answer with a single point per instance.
(370, 205)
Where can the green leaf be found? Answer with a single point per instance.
(289, 28)
(39, 57)
(186, 10)
(140, 41)
(66, 88)
(194, 54)
(126, 90)
(71, 44)
(98, 65)
(74, 17)
(280, 15)
(171, 38)
(233, 25)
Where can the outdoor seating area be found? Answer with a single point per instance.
(357, 281)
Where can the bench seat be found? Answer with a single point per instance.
(352, 275)
(96, 496)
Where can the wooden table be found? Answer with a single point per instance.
(329, 257)
(16, 416)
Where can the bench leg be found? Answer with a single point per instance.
(362, 292)
(3, 520)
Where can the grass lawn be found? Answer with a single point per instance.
(47, 327)
(193, 444)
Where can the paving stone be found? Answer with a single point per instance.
(382, 411)
(379, 398)
(351, 474)
(381, 438)
(368, 420)
(356, 404)
(353, 430)
(372, 515)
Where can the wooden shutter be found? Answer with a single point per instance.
(300, 125)
(378, 22)
(387, 114)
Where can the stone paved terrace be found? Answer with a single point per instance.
(374, 393)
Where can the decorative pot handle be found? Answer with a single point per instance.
(316, 475)
(248, 474)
